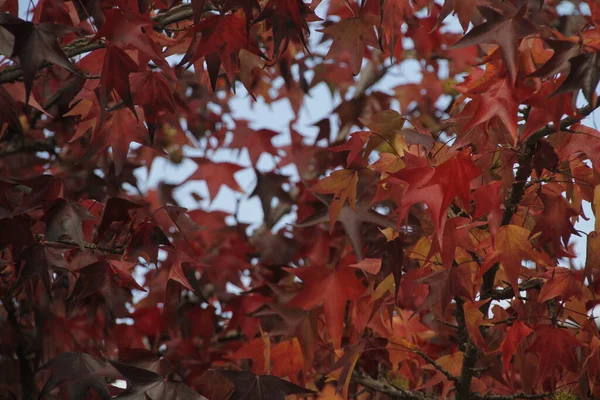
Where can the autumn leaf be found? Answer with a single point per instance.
(268, 187)
(495, 100)
(146, 241)
(35, 44)
(39, 260)
(463, 9)
(219, 39)
(444, 285)
(351, 36)
(455, 176)
(148, 384)
(116, 59)
(554, 222)
(563, 344)
(510, 247)
(516, 333)
(342, 184)
(152, 92)
(503, 31)
(333, 289)
(583, 75)
(249, 386)
(351, 218)
(119, 130)
(216, 174)
(475, 320)
(561, 282)
(257, 142)
(286, 18)
(83, 373)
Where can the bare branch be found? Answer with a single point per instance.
(437, 366)
(515, 396)
(381, 386)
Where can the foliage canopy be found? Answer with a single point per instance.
(430, 251)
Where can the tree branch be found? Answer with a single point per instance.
(463, 385)
(437, 366)
(85, 44)
(515, 396)
(508, 292)
(378, 385)
(92, 246)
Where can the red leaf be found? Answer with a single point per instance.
(216, 174)
(503, 31)
(115, 76)
(516, 333)
(332, 288)
(555, 347)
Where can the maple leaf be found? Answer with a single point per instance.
(496, 100)
(116, 59)
(350, 36)
(145, 242)
(35, 44)
(116, 212)
(445, 284)
(149, 384)
(387, 125)
(222, 37)
(583, 75)
(331, 287)
(301, 324)
(411, 186)
(503, 31)
(563, 344)
(510, 247)
(216, 174)
(393, 14)
(152, 92)
(554, 222)
(268, 187)
(463, 9)
(564, 50)
(354, 145)
(516, 333)
(545, 157)
(104, 277)
(39, 260)
(256, 142)
(392, 260)
(286, 17)
(455, 176)
(249, 386)
(342, 184)
(118, 131)
(542, 103)
(351, 219)
(82, 372)
(122, 28)
(561, 282)
(475, 319)
(488, 202)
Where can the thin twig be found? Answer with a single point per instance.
(515, 396)
(381, 386)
